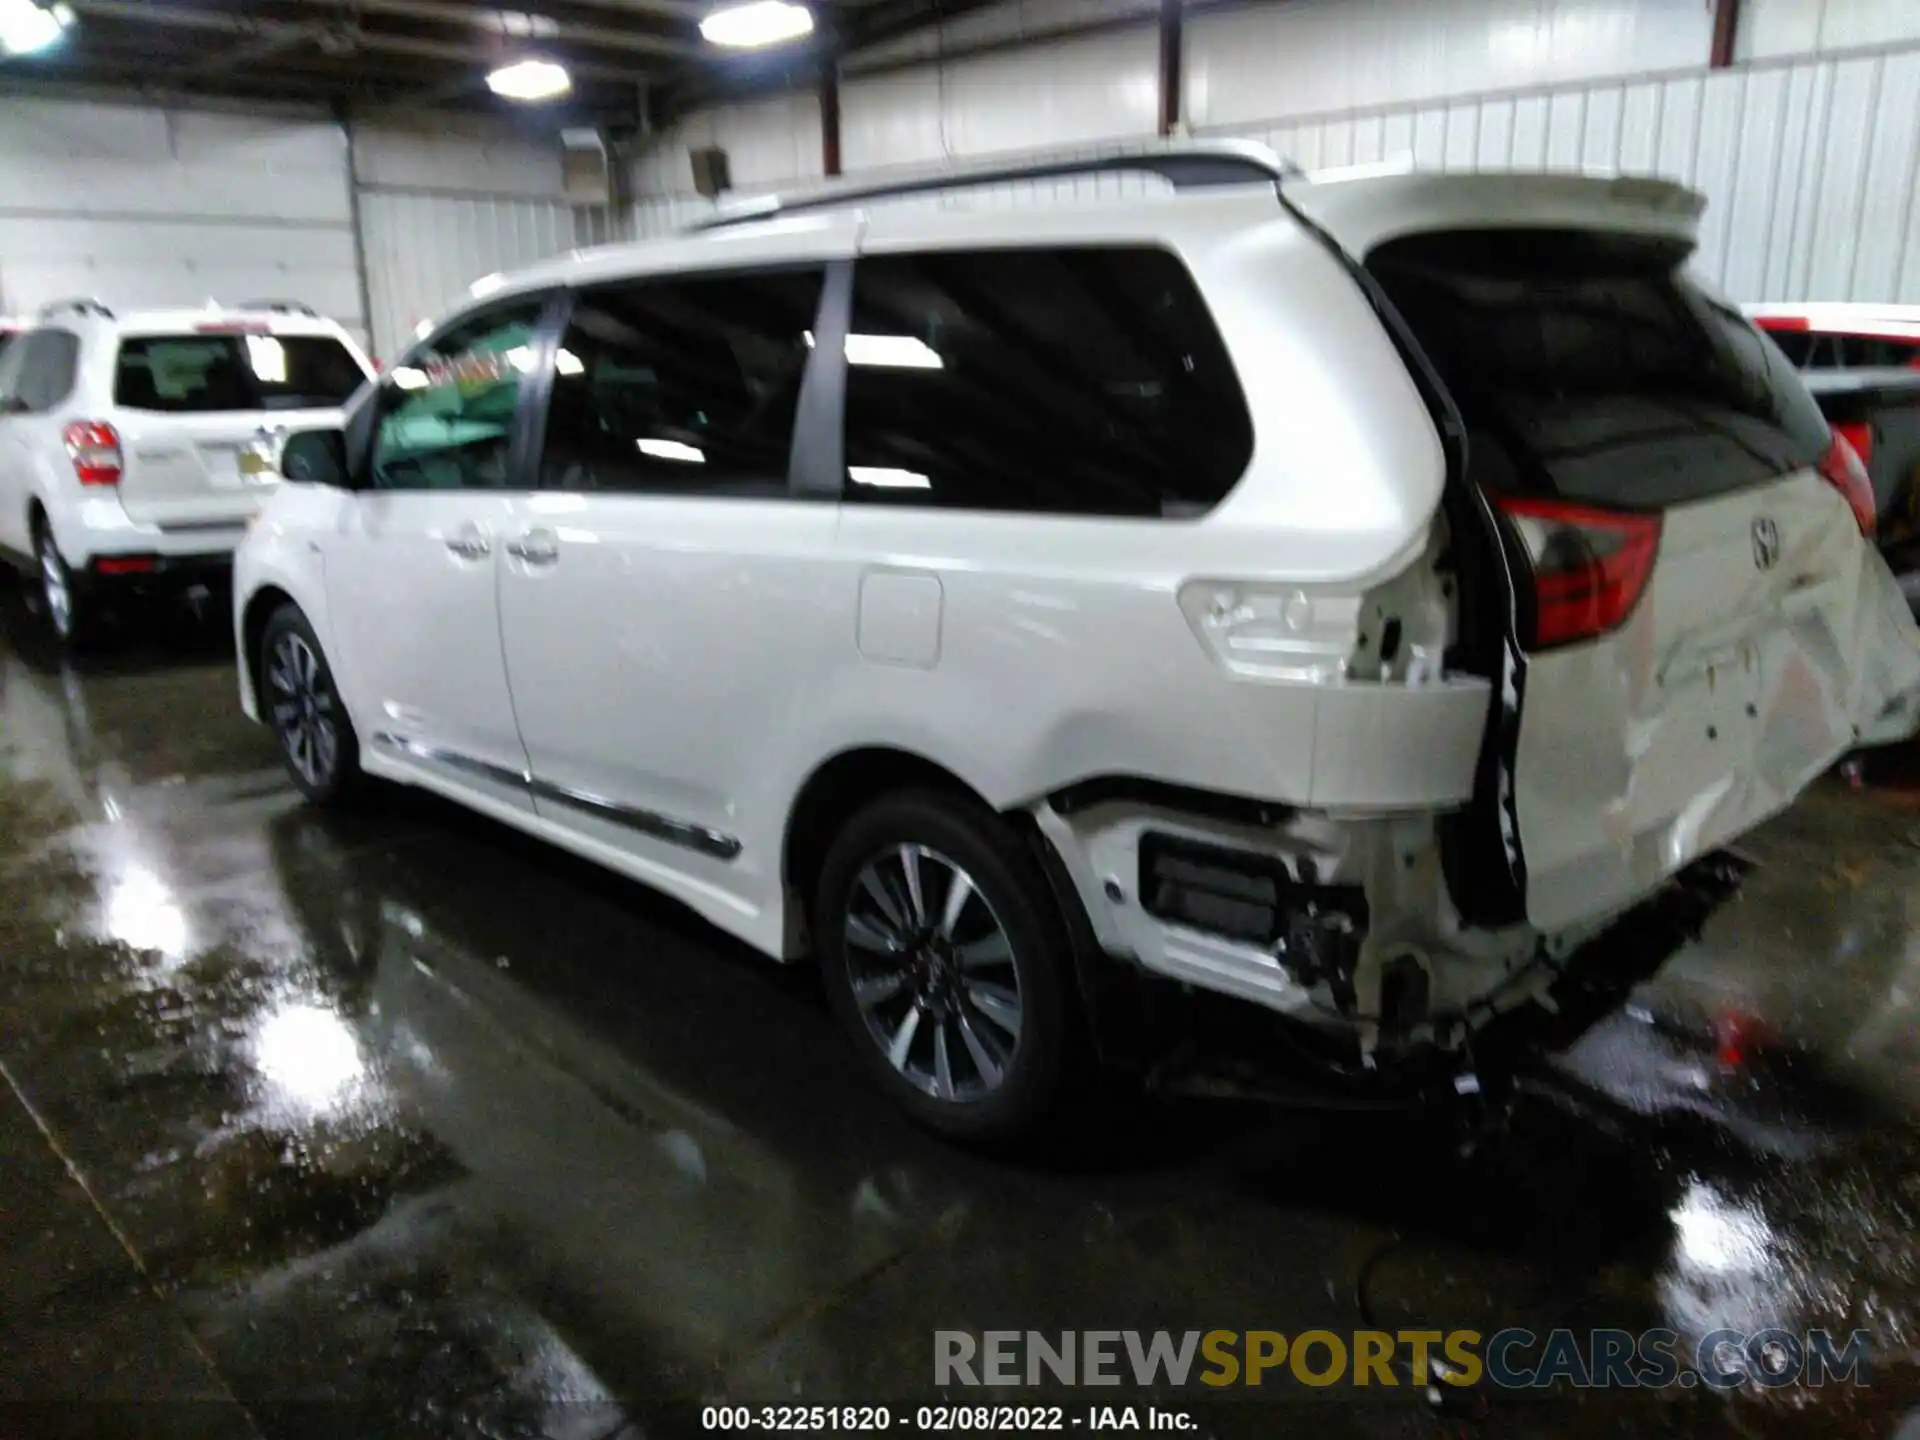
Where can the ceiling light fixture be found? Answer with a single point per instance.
(764, 22)
(26, 27)
(528, 80)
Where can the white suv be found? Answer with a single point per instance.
(124, 440)
(1376, 600)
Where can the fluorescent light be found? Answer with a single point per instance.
(25, 27)
(886, 477)
(486, 285)
(406, 377)
(530, 80)
(765, 22)
(521, 358)
(672, 450)
(568, 363)
(896, 352)
(423, 329)
(268, 357)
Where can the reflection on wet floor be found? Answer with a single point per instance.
(420, 1128)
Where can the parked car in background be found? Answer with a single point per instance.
(125, 441)
(1862, 363)
(1343, 597)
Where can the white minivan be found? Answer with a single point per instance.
(1378, 600)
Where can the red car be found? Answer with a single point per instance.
(1862, 363)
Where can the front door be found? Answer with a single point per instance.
(412, 573)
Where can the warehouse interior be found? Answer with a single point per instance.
(397, 1122)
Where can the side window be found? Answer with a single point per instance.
(1797, 345)
(12, 358)
(46, 369)
(447, 421)
(681, 385)
(1075, 381)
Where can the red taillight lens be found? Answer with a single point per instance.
(94, 448)
(1590, 566)
(1859, 435)
(125, 565)
(1840, 467)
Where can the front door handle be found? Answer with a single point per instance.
(470, 542)
(536, 547)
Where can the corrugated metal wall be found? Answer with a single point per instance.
(424, 248)
(1809, 161)
(1811, 168)
(143, 206)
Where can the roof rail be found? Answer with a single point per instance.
(81, 304)
(280, 307)
(1191, 167)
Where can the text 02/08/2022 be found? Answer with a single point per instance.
(944, 1419)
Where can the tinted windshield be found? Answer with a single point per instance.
(181, 373)
(1588, 366)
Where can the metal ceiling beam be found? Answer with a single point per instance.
(494, 22)
(690, 12)
(446, 51)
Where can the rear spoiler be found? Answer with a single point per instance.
(1362, 211)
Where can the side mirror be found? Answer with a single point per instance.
(314, 457)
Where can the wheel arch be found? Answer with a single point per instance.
(253, 627)
(837, 789)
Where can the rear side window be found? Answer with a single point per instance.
(47, 360)
(1085, 381)
(1590, 368)
(189, 374)
(683, 385)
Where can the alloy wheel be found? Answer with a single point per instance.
(302, 705)
(55, 589)
(933, 973)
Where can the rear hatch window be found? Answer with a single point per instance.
(195, 374)
(1589, 368)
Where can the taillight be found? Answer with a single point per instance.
(1590, 566)
(1841, 468)
(1859, 435)
(94, 448)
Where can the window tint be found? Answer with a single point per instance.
(195, 373)
(1588, 366)
(47, 362)
(1076, 382)
(1799, 346)
(682, 385)
(448, 421)
(1878, 353)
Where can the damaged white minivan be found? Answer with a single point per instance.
(1379, 600)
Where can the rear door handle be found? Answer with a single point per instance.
(470, 542)
(536, 547)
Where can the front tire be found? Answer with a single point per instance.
(946, 961)
(299, 700)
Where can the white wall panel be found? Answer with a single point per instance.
(1811, 169)
(1249, 64)
(424, 250)
(444, 204)
(1100, 87)
(145, 207)
(1772, 28)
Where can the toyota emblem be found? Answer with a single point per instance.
(1766, 543)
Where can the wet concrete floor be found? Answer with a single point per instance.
(395, 1123)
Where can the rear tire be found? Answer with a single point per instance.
(70, 613)
(946, 961)
(300, 703)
